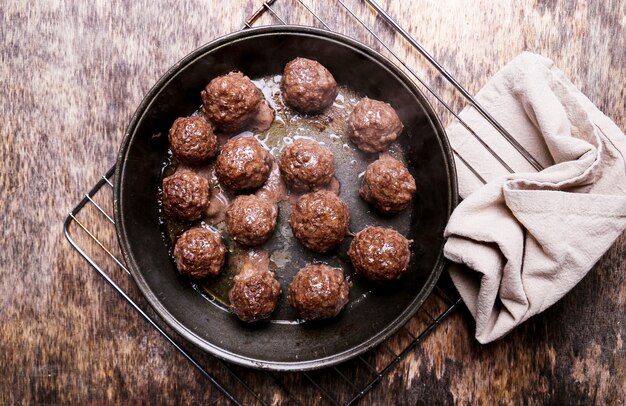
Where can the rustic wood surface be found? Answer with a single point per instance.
(72, 74)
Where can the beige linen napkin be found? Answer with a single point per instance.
(528, 238)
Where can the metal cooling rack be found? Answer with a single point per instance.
(342, 384)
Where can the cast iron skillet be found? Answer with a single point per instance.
(371, 317)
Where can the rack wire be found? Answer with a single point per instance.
(342, 384)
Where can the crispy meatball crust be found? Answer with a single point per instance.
(306, 165)
(320, 220)
(231, 101)
(308, 86)
(318, 292)
(254, 295)
(387, 185)
(199, 253)
(380, 254)
(373, 125)
(251, 220)
(243, 164)
(192, 140)
(185, 196)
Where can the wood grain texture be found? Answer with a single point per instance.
(72, 76)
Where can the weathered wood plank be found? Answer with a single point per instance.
(73, 74)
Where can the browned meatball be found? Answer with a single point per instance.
(251, 220)
(192, 140)
(185, 195)
(199, 253)
(254, 294)
(380, 254)
(320, 220)
(243, 164)
(231, 101)
(387, 185)
(308, 86)
(373, 125)
(318, 292)
(306, 165)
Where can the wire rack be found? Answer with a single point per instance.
(90, 229)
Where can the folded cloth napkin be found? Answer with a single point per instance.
(529, 237)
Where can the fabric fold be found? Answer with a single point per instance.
(527, 238)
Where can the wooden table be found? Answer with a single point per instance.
(73, 74)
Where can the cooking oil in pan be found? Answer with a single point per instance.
(282, 250)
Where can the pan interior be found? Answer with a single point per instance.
(373, 313)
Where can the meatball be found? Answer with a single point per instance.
(254, 294)
(199, 253)
(192, 140)
(320, 220)
(380, 254)
(264, 117)
(185, 196)
(373, 125)
(318, 292)
(308, 86)
(251, 220)
(387, 185)
(243, 164)
(231, 101)
(306, 165)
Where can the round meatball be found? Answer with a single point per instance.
(251, 220)
(318, 292)
(373, 125)
(199, 253)
(306, 165)
(243, 164)
(387, 185)
(254, 294)
(231, 101)
(192, 140)
(185, 196)
(320, 220)
(308, 86)
(380, 254)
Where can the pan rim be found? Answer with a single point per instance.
(298, 365)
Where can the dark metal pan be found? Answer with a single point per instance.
(374, 313)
